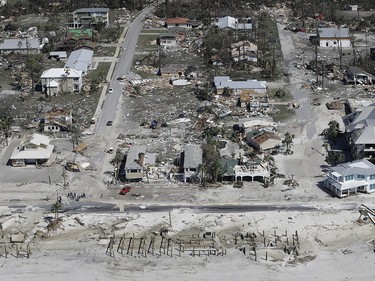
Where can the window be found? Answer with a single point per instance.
(348, 178)
(361, 176)
(372, 186)
(372, 177)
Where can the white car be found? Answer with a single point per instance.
(110, 91)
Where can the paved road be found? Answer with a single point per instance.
(99, 207)
(108, 111)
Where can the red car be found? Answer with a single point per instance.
(125, 190)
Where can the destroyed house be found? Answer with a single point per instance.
(172, 70)
(167, 40)
(351, 178)
(355, 75)
(57, 120)
(263, 139)
(35, 149)
(192, 159)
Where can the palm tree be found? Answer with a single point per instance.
(288, 141)
(333, 130)
(55, 209)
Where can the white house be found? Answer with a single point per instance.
(55, 80)
(34, 149)
(137, 159)
(334, 37)
(90, 17)
(351, 178)
(233, 23)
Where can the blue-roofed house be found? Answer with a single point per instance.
(351, 178)
(89, 17)
(80, 60)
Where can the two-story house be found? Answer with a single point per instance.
(360, 132)
(35, 149)
(137, 160)
(57, 80)
(192, 159)
(80, 60)
(244, 51)
(351, 178)
(90, 17)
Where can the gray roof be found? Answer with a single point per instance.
(222, 82)
(333, 32)
(80, 60)
(92, 10)
(133, 156)
(192, 156)
(358, 167)
(20, 44)
(363, 126)
(355, 70)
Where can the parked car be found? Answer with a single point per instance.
(109, 123)
(110, 91)
(125, 190)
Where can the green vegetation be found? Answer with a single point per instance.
(100, 72)
(284, 113)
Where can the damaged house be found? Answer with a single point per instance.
(355, 75)
(89, 17)
(57, 120)
(34, 149)
(334, 37)
(192, 160)
(244, 51)
(253, 92)
(137, 160)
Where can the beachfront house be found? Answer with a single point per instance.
(192, 159)
(34, 149)
(351, 178)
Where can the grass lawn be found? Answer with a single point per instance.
(103, 68)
